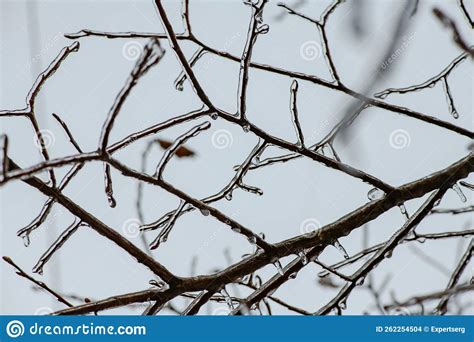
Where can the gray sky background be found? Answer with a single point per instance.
(85, 86)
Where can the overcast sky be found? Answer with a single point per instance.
(297, 192)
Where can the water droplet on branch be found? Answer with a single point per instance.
(236, 229)
(421, 239)
(375, 194)
(26, 240)
(205, 212)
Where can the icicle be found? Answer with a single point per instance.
(403, 210)
(227, 298)
(341, 249)
(111, 200)
(109, 192)
(388, 255)
(214, 116)
(277, 265)
(179, 85)
(252, 239)
(156, 243)
(26, 239)
(246, 128)
(293, 275)
(458, 190)
(228, 196)
(375, 194)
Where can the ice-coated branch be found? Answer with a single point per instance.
(151, 55)
(384, 252)
(307, 247)
(56, 245)
(180, 55)
(465, 12)
(68, 132)
(42, 285)
(294, 113)
(321, 26)
(109, 191)
(430, 83)
(442, 306)
(446, 21)
(255, 28)
(177, 144)
(163, 235)
(3, 156)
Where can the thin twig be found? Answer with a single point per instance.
(21, 273)
(294, 113)
(60, 241)
(177, 144)
(457, 38)
(441, 308)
